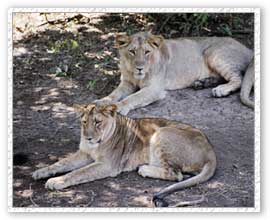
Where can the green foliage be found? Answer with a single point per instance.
(237, 22)
(74, 44)
(62, 72)
(200, 24)
(193, 22)
(58, 46)
(225, 29)
(91, 84)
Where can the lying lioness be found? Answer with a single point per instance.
(112, 143)
(150, 65)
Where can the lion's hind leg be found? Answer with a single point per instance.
(228, 61)
(156, 172)
(159, 166)
(229, 71)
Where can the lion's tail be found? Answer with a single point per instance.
(247, 85)
(206, 173)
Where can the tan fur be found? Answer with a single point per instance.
(112, 143)
(247, 84)
(150, 65)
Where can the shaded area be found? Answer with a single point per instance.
(61, 59)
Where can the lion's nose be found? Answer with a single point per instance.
(139, 69)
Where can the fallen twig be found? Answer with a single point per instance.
(188, 203)
(62, 21)
(31, 196)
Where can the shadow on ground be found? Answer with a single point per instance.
(58, 64)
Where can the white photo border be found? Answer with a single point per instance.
(256, 12)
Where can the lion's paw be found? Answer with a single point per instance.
(220, 91)
(56, 183)
(143, 170)
(103, 101)
(122, 108)
(198, 84)
(40, 173)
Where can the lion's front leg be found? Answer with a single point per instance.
(143, 97)
(88, 173)
(74, 161)
(124, 89)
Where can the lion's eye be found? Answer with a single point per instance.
(147, 52)
(98, 123)
(84, 122)
(132, 52)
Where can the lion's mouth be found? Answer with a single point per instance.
(139, 74)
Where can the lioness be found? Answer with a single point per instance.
(111, 143)
(150, 65)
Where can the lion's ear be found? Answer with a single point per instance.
(121, 40)
(110, 109)
(83, 108)
(90, 107)
(78, 108)
(155, 40)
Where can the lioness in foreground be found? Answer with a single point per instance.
(111, 143)
(150, 65)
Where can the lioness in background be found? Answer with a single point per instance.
(112, 143)
(150, 65)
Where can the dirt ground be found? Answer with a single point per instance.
(57, 63)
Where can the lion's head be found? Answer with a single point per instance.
(141, 51)
(97, 123)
